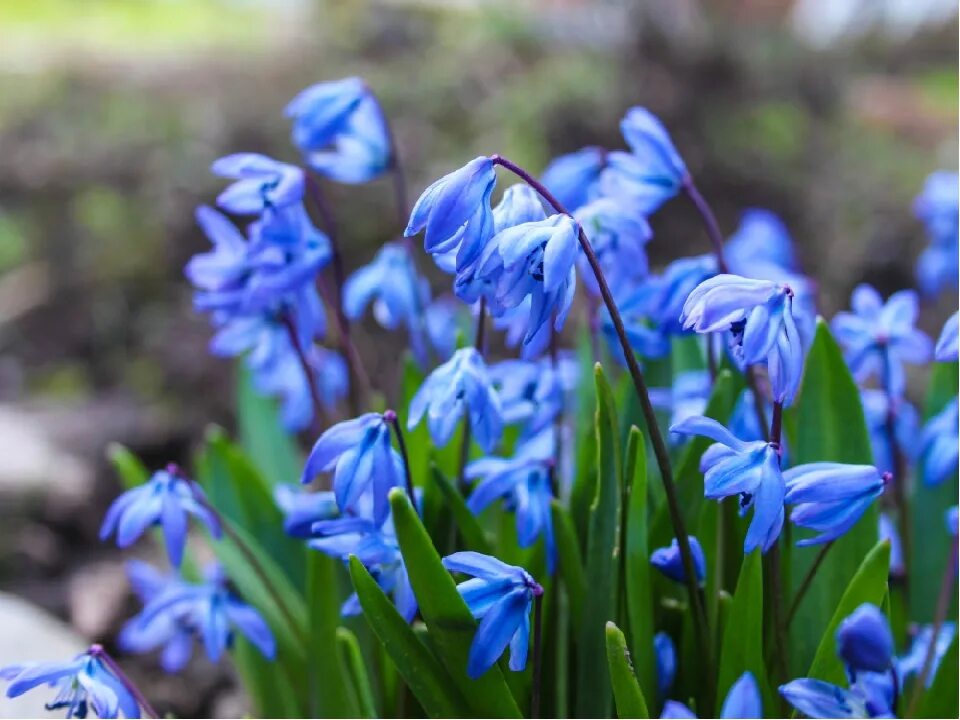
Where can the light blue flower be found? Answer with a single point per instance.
(669, 562)
(831, 497)
(864, 641)
(761, 238)
(261, 183)
(939, 446)
(166, 499)
(302, 508)
(686, 397)
(638, 310)
(674, 286)
(748, 469)
(877, 337)
(936, 207)
(360, 151)
(455, 212)
(912, 662)
(391, 283)
(937, 268)
(523, 482)
(361, 457)
(887, 531)
(460, 386)
(442, 320)
(906, 423)
(952, 520)
(574, 178)
(533, 393)
(321, 112)
(745, 424)
(947, 344)
(742, 701)
(83, 683)
(619, 234)
(665, 655)
(500, 596)
(819, 699)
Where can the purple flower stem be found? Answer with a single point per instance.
(465, 437)
(709, 221)
(101, 654)
(391, 417)
(659, 446)
(807, 582)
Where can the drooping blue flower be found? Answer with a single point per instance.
(676, 283)
(619, 234)
(361, 457)
(532, 393)
(819, 699)
(939, 446)
(686, 397)
(761, 237)
(912, 662)
(442, 323)
(947, 344)
(501, 597)
(748, 469)
(261, 183)
(669, 562)
(360, 151)
(211, 613)
(831, 497)
(302, 508)
(665, 655)
(455, 212)
(936, 207)
(574, 178)
(166, 499)
(745, 424)
(523, 482)
(864, 640)
(937, 268)
(82, 684)
(638, 308)
(876, 408)
(742, 701)
(323, 111)
(887, 531)
(878, 338)
(460, 386)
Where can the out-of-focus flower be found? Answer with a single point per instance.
(442, 322)
(391, 282)
(952, 520)
(819, 699)
(936, 207)
(166, 500)
(876, 406)
(911, 663)
(888, 531)
(321, 112)
(686, 397)
(665, 655)
(501, 597)
(761, 238)
(261, 183)
(574, 178)
(668, 560)
(947, 344)
(360, 151)
(461, 385)
(864, 640)
(878, 338)
(619, 235)
(939, 445)
(532, 393)
(748, 469)
(830, 497)
(742, 701)
(301, 509)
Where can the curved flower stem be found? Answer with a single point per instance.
(943, 607)
(391, 417)
(537, 655)
(709, 220)
(659, 445)
(100, 653)
(807, 582)
(291, 325)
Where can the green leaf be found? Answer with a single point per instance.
(940, 700)
(742, 647)
(869, 585)
(265, 681)
(571, 564)
(352, 660)
(327, 673)
(448, 619)
(272, 449)
(132, 472)
(626, 689)
(427, 679)
(602, 564)
(830, 426)
(585, 478)
(638, 588)
(470, 531)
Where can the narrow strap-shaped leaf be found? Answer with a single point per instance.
(427, 679)
(357, 672)
(446, 614)
(272, 449)
(940, 699)
(571, 564)
(266, 683)
(593, 677)
(131, 471)
(329, 695)
(470, 531)
(626, 689)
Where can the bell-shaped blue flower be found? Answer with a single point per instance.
(442, 319)
(677, 711)
(166, 499)
(321, 112)
(674, 286)
(82, 684)
(665, 655)
(761, 238)
(877, 337)
(532, 393)
(946, 349)
(936, 207)
(742, 701)
(831, 497)
(876, 409)
(574, 178)
(361, 457)
(360, 151)
(261, 183)
(939, 445)
(686, 397)
(501, 597)
(455, 212)
(911, 663)
(302, 508)
(819, 699)
(864, 640)
(937, 268)
(460, 386)
(619, 234)
(748, 469)
(523, 482)
(669, 562)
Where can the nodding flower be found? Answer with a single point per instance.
(261, 183)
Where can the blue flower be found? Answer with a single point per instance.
(912, 662)
(939, 446)
(887, 531)
(675, 284)
(946, 349)
(831, 497)
(819, 699)
(461, 385)
(532, 393)
(619, 234)
(392, 284)
(500, 596)
(261, 183)
(748, 469)
(442, 323)
(761, 238)
(665, 655)
(360, 151)
(744, 422)
(668, 561)
(937, 268)
(361, 457)
(676, 711)
(323, 111)
(210, 612)
(638, 310)
(455, 212)
(864, 641)
(936, 207)
(523, 482)
(81, 683)
(302, 508)
(876, 406)
(686, 397)
(878, 338)
(742, 701)
(166, 500)
(574, 178)
(952, 520)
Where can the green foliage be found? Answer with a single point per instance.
(271, 449)
(626, 690)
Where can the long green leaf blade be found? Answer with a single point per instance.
(474, 538)
(626, 689)
(328, 676)
(571, 564)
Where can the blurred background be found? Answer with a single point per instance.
(828, 112)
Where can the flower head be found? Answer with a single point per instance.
(461, 385)
(761, 238)
(619, 234)
(748, 469)
(574, 178)
(819, 699)
(939, 445)
(261, 183)
(166, 499)
(665, 655)
(877, 406)
(669, 561)
(936, 207)
(323, 111)
(301, 509)
(392, 284)
(532, 393)
(742, 701)
(947, 344)
(500, 596)
(912, 662)
(864, 640)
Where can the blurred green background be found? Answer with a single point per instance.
(829, 112)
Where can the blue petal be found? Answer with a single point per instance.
(743, 700)
(496, 629)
